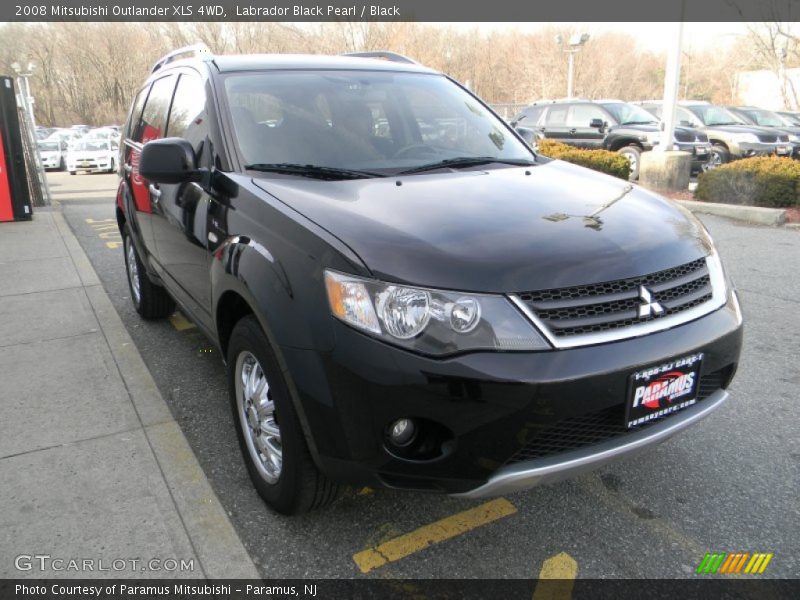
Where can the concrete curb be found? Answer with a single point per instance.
(213, 537)
(751, 214)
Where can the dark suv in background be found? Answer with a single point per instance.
(730, 136)
(404, 293)
(611, 125)
(771, 120)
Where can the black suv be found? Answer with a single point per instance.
(730, 136)
(405, 295)
(611, 125)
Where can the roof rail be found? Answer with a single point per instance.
(199, 49)
(385, 55)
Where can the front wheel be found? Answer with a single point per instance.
(270, 435)
(634, 155)
(151, 301)
(719, 156)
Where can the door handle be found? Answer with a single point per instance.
(573, 131)
(155, 193)
(128, 168)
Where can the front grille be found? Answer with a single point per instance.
(701, 137)
(612, 305)
(682, 135)
(767, 138)
(596, 427)
(783, 138)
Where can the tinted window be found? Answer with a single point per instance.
(580, 115)
(154, 118)
(187, 117)
(629, 114)
(362, 120)
(530, 116)
(557, 115)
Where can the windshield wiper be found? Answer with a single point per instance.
(317, 171)
(468, 161)
(639, 122)
(724, 123)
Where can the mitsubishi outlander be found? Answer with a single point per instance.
(405, 294)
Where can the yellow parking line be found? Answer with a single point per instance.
(436, 532)
(556, 578)
(180, 322)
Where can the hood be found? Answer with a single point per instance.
(499, 230)
(741, 129)
(90, 153)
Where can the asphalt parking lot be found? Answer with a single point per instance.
(730, 484)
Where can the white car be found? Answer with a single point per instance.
(94, 155)
(53, 154)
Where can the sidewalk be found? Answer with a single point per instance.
(92, 465)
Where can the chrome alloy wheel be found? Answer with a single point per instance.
(257, 417)
(133, 270)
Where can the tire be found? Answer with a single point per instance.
(73, 172)
(719, 156)
(62, 166)
(151, 301)
(295, 486)
(634, 156)
(112, 167)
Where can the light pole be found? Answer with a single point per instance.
(23, 73)
(573, 46)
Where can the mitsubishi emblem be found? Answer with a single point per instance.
(648, 307)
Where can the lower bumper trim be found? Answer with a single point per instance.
(520, 476)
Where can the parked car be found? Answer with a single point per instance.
(42, 133)
(789, 118)
(770, 120)
(64, 135)
(730, 137)
(92, 155)
(611, 125)
(104, 133)
(53, 154)
(455, 314)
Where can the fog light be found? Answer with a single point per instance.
(402, 432)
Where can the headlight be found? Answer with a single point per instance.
(429, 321)
(794, 138)
(746, 137)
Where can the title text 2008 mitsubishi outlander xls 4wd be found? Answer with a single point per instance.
(405, 294)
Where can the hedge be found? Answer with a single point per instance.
(762, 181)
(599, 160)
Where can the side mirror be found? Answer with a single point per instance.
(169, 160)
(526, 134)
(596, 123)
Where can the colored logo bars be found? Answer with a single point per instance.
(735, 562)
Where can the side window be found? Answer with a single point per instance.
(557, 115)
(154, 118)
(187, 117)
(136, 112)
(580, 115)
(531, 116)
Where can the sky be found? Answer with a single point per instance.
(655, 37)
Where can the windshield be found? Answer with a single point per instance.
(48, 146)
(629, 114)
(382, 122)
(91, 145)
(765, 118)
(790, 119)
(715, 115)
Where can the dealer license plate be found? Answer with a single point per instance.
(663, 389)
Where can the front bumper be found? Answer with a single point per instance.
(490, 406)
(92, 166)
(748, 149)
(701, 152)
(520, 476)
